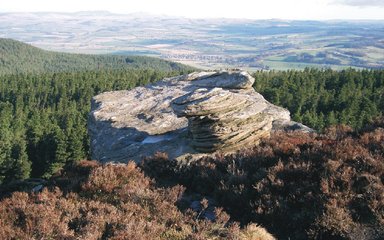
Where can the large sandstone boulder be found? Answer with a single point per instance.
(223, 120)
(186, 116)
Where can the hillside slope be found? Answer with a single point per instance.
(17, 57)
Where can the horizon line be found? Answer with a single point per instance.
(186, 17)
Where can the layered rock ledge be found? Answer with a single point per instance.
(223, 120)
(185, 116)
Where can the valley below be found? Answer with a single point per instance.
(205, 43)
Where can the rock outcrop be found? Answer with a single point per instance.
(223, 120)
(185, 116)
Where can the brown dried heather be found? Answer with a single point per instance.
(298, 185)
(108, 202)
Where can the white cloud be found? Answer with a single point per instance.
(361, 3)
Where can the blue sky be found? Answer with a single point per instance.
(254, 9)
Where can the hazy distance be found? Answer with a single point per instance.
(271, 9)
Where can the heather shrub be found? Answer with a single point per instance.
(298, 185)
(111, 178)
(70, 179)
(113, 201)
(254, 232)
(37, 216)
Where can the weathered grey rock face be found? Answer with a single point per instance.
(212, 111)
(222, 79)
(223, 120)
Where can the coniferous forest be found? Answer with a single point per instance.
(17, 57)
(326, 185)
(43, 116)
(45, 101)
(322, 98)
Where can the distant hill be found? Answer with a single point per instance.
(205, 43)
(17, 57)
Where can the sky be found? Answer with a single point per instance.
(253, 9)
